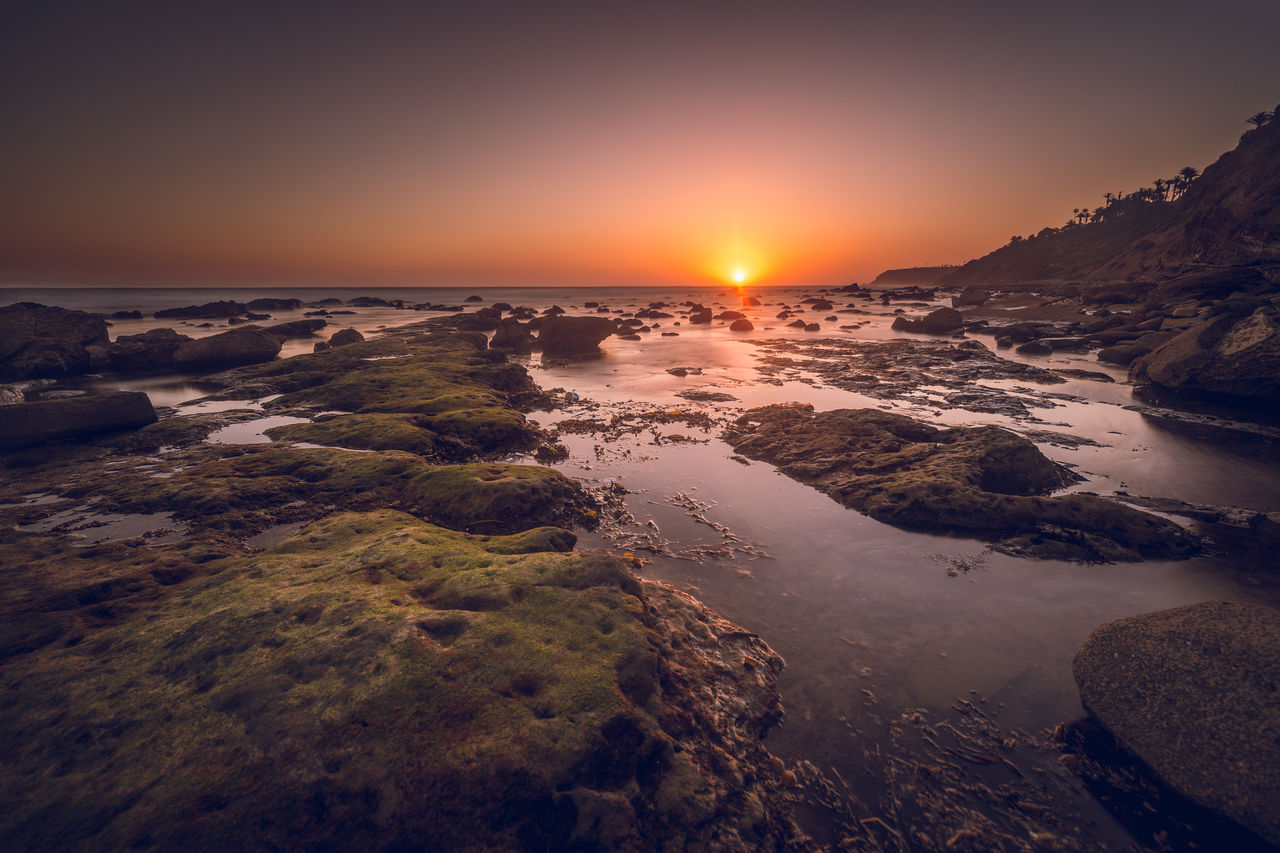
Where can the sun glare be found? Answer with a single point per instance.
(739, 276)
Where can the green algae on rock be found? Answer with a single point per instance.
(984, 481)
(376, 682)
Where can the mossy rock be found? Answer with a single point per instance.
(373, 432)
(984, 481)
(374, 682)
(245, 493)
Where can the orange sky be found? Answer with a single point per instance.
(592, 144)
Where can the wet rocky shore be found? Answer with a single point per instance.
(334, 603)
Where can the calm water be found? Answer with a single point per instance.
(872, 620)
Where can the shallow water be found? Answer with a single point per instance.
(872, 620)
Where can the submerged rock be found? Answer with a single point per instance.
(229, 349)
(1192, 692)
(24, 424)
(984, 481)
(38, 341)
(741, 325)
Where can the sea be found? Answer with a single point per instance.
(881, 628)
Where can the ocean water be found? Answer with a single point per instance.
(874, 622)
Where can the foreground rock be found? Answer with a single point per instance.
(939, 322)
(574, 336)
(24, 424)
(1226, 356)
(229, 349)
(1192, 692)
(983, 481)
(372, 682)
(37, 341)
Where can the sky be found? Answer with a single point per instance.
(496, 143)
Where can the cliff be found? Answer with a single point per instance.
(1229, 216)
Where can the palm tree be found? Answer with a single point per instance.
(1159, 189)
(1259, 119)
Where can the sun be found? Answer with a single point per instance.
(739, 276)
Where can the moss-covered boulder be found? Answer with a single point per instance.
(374, 682)
(983, 481)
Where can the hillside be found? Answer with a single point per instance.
(915, 275)
(1229, 216)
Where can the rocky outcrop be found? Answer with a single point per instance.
(25, 424)
(207, 311)
(146, 352)
(983, 481)
(574, 336)
(1192, 692)
(39, 341)
(913, 275)
(1226, 356)
(229, 349)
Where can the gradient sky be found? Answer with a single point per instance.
(152, 141)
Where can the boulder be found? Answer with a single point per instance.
(270, 304)
(1034, 348)
(1122, 354)
(126, 315)
(474, 298)
(937, 322)
(39, 341)
(369, 302)
(750, 301)
(1225, 356)
(1192, 692)
(342, 337)
(821, 305)
(512, 336)
(229, 349)
(209, 310)
(729, 315)
(571, 336)
(25, 424)
(973, 295)
(297, 328)
(152, 350)
(743, 325)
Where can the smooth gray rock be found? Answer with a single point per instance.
(1195, 693)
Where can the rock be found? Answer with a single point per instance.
(25, 424)
(297, 328)
(1192, 692)
(937, 322)
(501, 306)
(749, 301)
(1225, 356)
(730, 315)
(984, 481)
(270, 304)
(229, 349)
(973, 295)
(342, 337)
(797, 324)
(1122, 354)
(512, 336)
(127, 315)
(574, 336)
(149, 351)
(320, 346)
(1034, 348)
(474, 298)
(209, 310)
(742, 325)
(369, 302)
(38, 341)
(812, 327)
(820, 305)
(700, 315)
